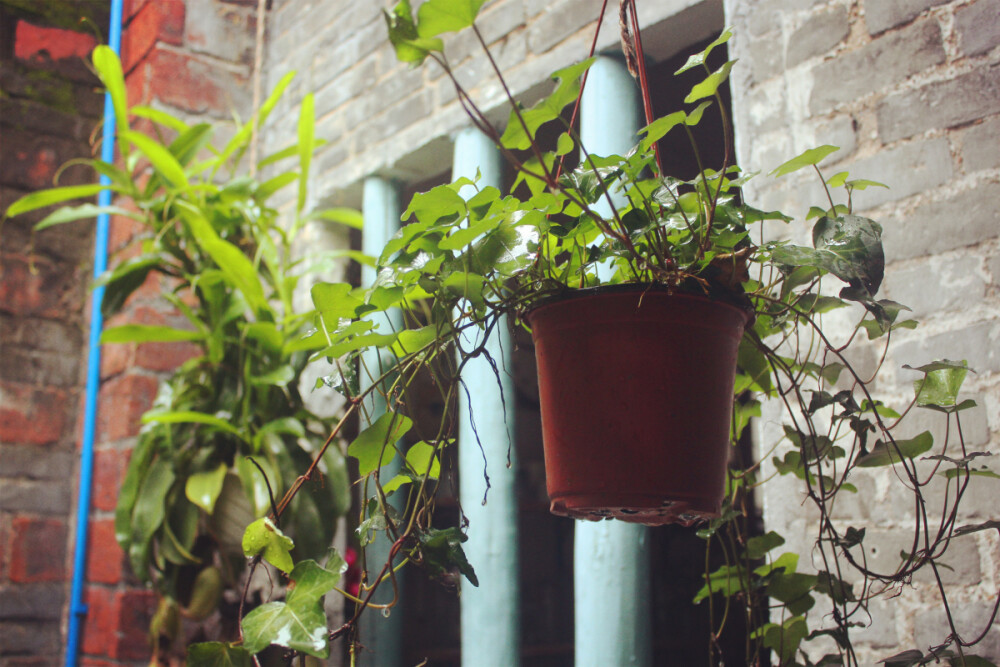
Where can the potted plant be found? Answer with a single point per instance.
(230, 427)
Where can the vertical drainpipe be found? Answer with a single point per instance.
(382, 636)
(490, 615)
(611, 559)
(77, 607)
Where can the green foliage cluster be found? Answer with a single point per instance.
(229, 429)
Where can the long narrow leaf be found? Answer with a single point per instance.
(161, 158)
(307, 126)
(148, 333)
(82, 212)
(43, 198)
(190, 417)
(109, 68)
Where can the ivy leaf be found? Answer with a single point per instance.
(785, 638)
(442, 551)
(856, 242)
(263, 537)
(520, 131)
(700, 58)
(883, 454)
(436, 17)
(758, 546)
(941, 383)
(709, 86)
(298, 623)
(809, 158)
(203, 488)
(375, 446)
(409, 46)
(218, 654)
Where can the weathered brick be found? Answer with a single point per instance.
(931, 626)
(32, 602)
(31, 463)
(820, 33)
(766, 61)
(41, 497)
(942, 105)
(47, 291)
(136, 609)
(109, 470)
(165, 356)
(39, 368)
(32, 41)
(975, 343)
(884, 14)
(909, 169)
(38, 550)
(32, 416)
(191, 84)
(222, 31)
(936, 286)
(977, 27)
(29, 636)
(160, 21)
(559, 21)
(105, 559)
(970, 216)
(885, 61)
(979, 146)
(101, 621)
(124, 399)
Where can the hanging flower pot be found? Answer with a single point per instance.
(636, 390)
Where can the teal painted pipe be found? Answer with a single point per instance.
(611, 559)
(490, 618)
(382, 636)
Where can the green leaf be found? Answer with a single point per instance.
(149, 512)
(409, 46)
(190, 417)
(838, 179)
(849, 247)
(436, 17)
(159, 116)
(700, 58)
(421, 459)
(521, 131)
(299, 623)
(254, 483)
(710, 85)
(161, 159)
(43, 198)
(148, 333)
(884, 454)
(277, 377)
(346, 216)
(809, 158)
(442, 551)
(109, 69)
(72, 213)
(375, 446)
(264, 538)
(237, 268)
(758, 546)
(941, 383)
(203, 488)
(784, 639)
(218, 654)
(863, 184)
(659, 128)
(307, 126)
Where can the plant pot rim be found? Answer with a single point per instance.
(719, 295)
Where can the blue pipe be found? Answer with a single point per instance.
(77, 607)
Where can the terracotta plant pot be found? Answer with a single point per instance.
(636, 389)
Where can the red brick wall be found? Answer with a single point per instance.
(196, 62)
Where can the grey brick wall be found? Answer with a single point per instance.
(908, 89)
